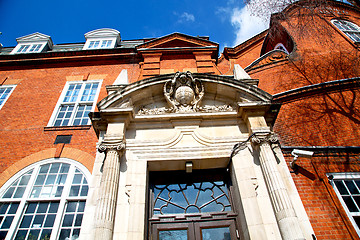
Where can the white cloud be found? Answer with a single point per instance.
(246, 25)
(185, 17)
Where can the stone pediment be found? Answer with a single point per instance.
(177, 40)
(183, 93)
(34, 37)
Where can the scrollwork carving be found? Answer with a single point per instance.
(187, 109)
(260, 138)
(107, 146)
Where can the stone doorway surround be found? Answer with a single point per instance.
(162, 123)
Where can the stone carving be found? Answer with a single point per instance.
(106, 146)
(207, 109)
(183, 92)
(222, 108)
(154, 111)
(268, 137)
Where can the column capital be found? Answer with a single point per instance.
(259, 138)
(115, 145)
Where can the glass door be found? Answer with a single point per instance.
(208, 230)
(191, 206)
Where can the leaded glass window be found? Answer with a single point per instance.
(75, 104)
(196, 197)
(193, 205)
(43, 194)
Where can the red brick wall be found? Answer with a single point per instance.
(30, 106)
(326, 214)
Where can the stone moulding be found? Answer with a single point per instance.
(143, 90)
(273, 56)
(205, 109)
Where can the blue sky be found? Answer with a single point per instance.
(226, 22)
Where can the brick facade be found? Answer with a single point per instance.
(324, 118)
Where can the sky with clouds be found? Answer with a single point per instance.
(227, 22)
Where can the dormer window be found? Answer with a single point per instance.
(102, 38)
(29, 48)
(33, 43)
(96, 44)
(350, 29)
(106, 43)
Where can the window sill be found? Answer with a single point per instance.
(64, 128)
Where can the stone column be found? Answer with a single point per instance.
(105, 209)
(284, 211)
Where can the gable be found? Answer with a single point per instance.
(34, 37)
(177, 40)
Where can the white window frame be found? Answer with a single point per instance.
(87, 45)
(347, 32)
(12, 89)
(345, 176)
(76, 104)
(26, 197)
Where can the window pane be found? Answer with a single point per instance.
(351, 186)
(341, 187)
(7, 222)
(50, 185)
(350, 204)
(33, 235)
(74, 191)
(4, 207)
(173, 235)
(222, 233)
(49, 222)
(64, 234)
(21, 235)
(68, 220)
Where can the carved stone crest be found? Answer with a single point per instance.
(183, 92)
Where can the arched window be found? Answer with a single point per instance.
(350, 29)
(281, 46)
(44, 201)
